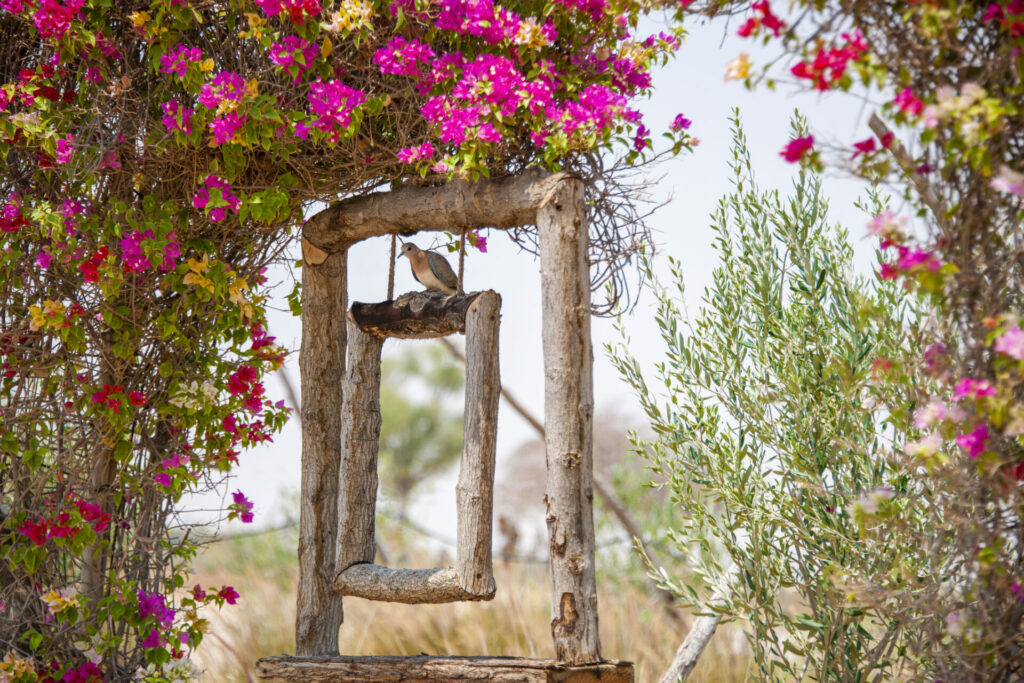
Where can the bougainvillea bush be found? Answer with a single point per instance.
(945, 79)
(157, 156)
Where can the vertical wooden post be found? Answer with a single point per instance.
(360, 439)
(568, 420)
(322, 367)
(474, 494)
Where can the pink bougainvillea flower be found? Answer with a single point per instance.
(796, 149)
(43, 259)
(411, 155)
(176, 61)
(225, 86)
(973, 388)
(1008, 181)
(243, 506)
(936, 411)
(829, 64)
(52, 19)
(887, 226)
(34, 531)
(177, 117)
(679, 123)
(198, 593)
(225, 127)
(763, 17)
(229, 594)
(908, 103)
(333, 102)
(974, 441)
(137, 398)
(1011, 343)
(477, 240)
(131, 251)
(65, 149)
(403, 57)
(153, 639)
(912, 259)
(866, 146)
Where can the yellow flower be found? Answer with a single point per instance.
(206, 66)
(196, 277)
(60, 600)
(140, 19)
(739, 68)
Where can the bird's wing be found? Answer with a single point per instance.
(442, 270)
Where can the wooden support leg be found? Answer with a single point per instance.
(474, 494)
(360, 438)
(322, 366)
(568, 420)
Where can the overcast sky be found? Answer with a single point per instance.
(692, 85)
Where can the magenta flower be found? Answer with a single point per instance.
(973, 388)
(225, 127)
(410, 155)
(177, 117)
(153, 639)
(477, 240)
(229, 594)
(155, 605)
(243, 506)
(333, 102)
(1011, 343)
(797, 149)
(974, 442)
(294, 51)
(402, 57)
(64, 149)
(226, 85)
(43, 259)
(163, 479)
(301, 130)
(131, 251)
(1008, 181)
(679, 123)
(53, 19)
(177, 60)
(917, 259)
(908, 103)
(34, 531)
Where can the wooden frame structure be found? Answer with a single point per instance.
(336, 517)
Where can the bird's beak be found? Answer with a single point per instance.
(400, 255)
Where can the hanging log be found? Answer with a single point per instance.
(474, 493)
(568, 416)
(409, 586)
(416, 315)
(423, 668)
(454, 206)
(322, 366)
(360, 438)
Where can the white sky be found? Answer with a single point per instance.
(693, 84)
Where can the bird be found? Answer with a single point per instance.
(430, 269)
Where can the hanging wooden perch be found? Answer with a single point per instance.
(416, 315)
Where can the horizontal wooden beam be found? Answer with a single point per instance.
(424, 668)
(416, 315)
(409, 586)
(454, 206)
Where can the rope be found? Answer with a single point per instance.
(391, 268)
(462, 261)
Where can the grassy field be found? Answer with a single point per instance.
(635, 625)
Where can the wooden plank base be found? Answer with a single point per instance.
(424, 669)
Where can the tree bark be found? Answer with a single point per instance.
(416, 315)
(453, 206)
(568, 415)
(360, 439)
(424, 668)
(474, 493)
(322, 366)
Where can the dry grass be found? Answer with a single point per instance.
(634, 625)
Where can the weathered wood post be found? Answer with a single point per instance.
(322, 367)
(568, 421)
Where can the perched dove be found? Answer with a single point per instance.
(430, 269)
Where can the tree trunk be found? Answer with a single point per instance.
(568, 415)
(322, 365)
